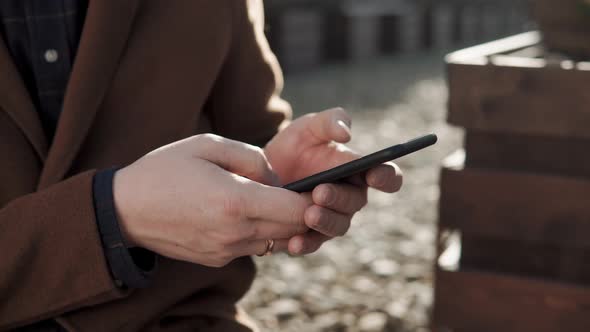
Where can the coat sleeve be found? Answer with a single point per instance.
(51, 257)
(245, 102)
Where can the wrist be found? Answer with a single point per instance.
(122, 201)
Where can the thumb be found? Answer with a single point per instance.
(331, 125)
(236, 157)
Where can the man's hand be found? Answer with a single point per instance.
(312, 144)
(206, 200)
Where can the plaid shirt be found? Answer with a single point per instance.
(42, 37)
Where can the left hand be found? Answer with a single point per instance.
(314, 143)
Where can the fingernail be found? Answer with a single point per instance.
(344, 126)
(378, 181)
(327, 195)
(297, 248)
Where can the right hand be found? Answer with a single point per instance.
(206, 200)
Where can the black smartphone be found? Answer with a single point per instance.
(362, 164)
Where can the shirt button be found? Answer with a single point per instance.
(51, 55)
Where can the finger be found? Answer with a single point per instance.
(342, 198)
(326, 221)
(236, 157)
(273, 204)
(258, 247)
(331, 125)
(281, 245)
(358, 180)
(339, 154)
(307, 243)
(274, 230)
(387, 178)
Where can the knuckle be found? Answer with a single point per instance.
(258, 151)
(259, 161)
(256, 163)
(231, 238)
(204, 138)
(211, 137)
(296, 214)
(204, 142)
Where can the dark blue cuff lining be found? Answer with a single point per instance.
(130, 267)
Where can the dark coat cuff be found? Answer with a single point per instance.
(130, 267)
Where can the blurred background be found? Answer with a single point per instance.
(383, 61)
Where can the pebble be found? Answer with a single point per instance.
(373, 322)
(291, 268)
(325, 273)
(399, 308)
(285, 308)
(329, 322)
(366, 256)
(410, 248)
(384, 267)
(348, 319)
(364, 285)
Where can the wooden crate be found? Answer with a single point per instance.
(519, 223)
(519, 197)
(528, 153)
(493, 302)
(520, 206)
(524, 261)
(565, 24)
(507, 87)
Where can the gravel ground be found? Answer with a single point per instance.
(379, 276)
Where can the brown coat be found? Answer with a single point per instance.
(147, 73)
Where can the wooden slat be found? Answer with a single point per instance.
(482, 302)
(531, 259)
(477, 54)
(533, 101)
(553, 155)
(513, 94)
(518, 206)
(565, 26)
